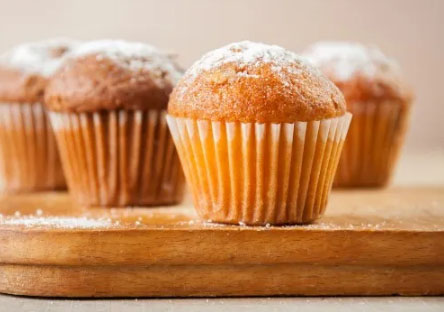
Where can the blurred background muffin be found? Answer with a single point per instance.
(379, 99)
(107, 106)
(29, 159)
(259, 133)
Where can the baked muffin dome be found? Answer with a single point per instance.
(255, 82)
(361, 72)
(110, 75)
(24, 70)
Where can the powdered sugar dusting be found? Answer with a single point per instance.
(345, 59)
(57, 222)
(247, 53)
(135, 56)
(42, 58)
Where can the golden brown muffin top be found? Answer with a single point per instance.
(362, 73)
(255, 82)
(112, 74)
(24, 70)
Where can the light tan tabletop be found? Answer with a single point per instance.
(414, 169)
(407, 304)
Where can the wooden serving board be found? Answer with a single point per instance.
(369, 243)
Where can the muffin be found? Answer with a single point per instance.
(29, 159)
(107, 106)
(380, 102)
(259, 133)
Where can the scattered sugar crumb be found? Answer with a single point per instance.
(57, 222)
(39, 212)
(17, 214)
(212, 224)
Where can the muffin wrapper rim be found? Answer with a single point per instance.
(119, 158)
(259, 173)
(373, 144)
(29, 159)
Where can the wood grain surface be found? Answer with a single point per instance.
(370, 242)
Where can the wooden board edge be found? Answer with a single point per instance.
(219, 248)
(220, 280)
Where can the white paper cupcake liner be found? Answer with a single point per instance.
(373, 144)
(256, 173)
(119, 158)
(29, 159)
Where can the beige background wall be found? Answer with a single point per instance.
(411, 31)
